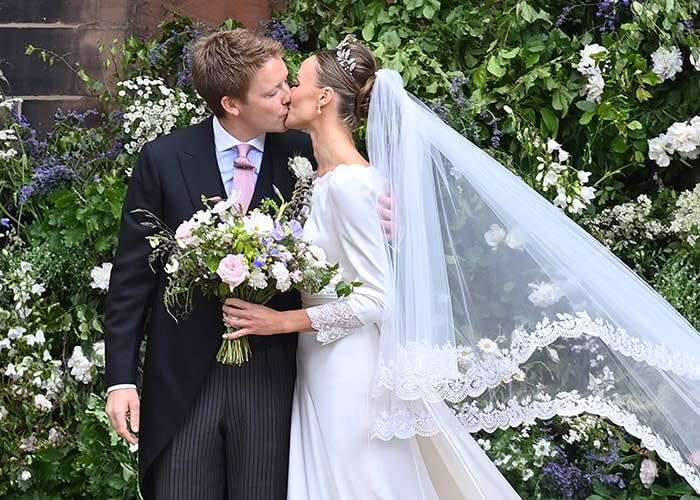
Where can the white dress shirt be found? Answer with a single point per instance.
(225, 154)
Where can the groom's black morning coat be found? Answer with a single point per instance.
(169, 179)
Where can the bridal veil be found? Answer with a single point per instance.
(504, 310)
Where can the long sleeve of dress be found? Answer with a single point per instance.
(358, 238)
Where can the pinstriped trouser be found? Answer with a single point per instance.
(234, 444)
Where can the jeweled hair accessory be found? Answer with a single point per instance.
(342, 54)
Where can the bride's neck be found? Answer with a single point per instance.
(333, 145)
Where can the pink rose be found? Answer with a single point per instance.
(183, 233)
(232, 270)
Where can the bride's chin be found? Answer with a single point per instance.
(292, 123)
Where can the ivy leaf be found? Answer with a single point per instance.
(368, 31)
(550, 121)
(642, 94)
(495, 68)
(619, 144)
(586, 118)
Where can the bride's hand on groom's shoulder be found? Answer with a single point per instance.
(249, 319)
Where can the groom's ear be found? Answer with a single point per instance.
(230, 105)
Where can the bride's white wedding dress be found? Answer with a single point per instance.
(331, 453)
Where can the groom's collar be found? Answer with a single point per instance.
(224, 141)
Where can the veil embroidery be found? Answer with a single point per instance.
(506, 310)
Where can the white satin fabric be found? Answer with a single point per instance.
(331, 453)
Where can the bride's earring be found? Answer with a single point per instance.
(318, 109)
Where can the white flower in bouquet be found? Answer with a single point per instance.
(667, 62)
(301, 167)
(100, 276)
(172, 266)
(316, 256)
(258, 223)
(281, 275)
(544, 294)
(257, 280)
(225, 205)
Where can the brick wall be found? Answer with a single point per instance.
(74, 28)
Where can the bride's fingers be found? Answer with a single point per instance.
(237, 334)
(240, 304)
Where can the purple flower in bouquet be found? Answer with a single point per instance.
(230, 254)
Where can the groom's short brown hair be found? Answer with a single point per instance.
(224, 62)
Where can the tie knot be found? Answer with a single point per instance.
(242, 161)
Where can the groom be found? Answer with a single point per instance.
(205, 430)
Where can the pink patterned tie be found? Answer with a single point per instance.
(244, 176)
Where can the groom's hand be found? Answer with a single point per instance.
(384, 210)
(123, 408)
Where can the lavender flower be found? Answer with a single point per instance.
(277, 30)
(296, 228)
(456, 90)
(61, 115)
(567, 480)
(606, 11)
(439, 108)
(277, 232)
(563, 17)
(259, 261)
(5, 222)
(496, 138)
(45, 179)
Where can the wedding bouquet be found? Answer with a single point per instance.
(225, 252)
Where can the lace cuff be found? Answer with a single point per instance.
(333, 320)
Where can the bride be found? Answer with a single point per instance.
(490, 308)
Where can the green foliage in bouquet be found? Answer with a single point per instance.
(226, 252)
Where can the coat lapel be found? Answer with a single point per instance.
(199, 167)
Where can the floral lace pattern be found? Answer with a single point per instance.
(515, 412)
(333, 320)
(453, 373)
(404, 420)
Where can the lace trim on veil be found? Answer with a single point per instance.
(453, 373)
(516, 412)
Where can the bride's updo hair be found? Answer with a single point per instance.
(350, 71)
